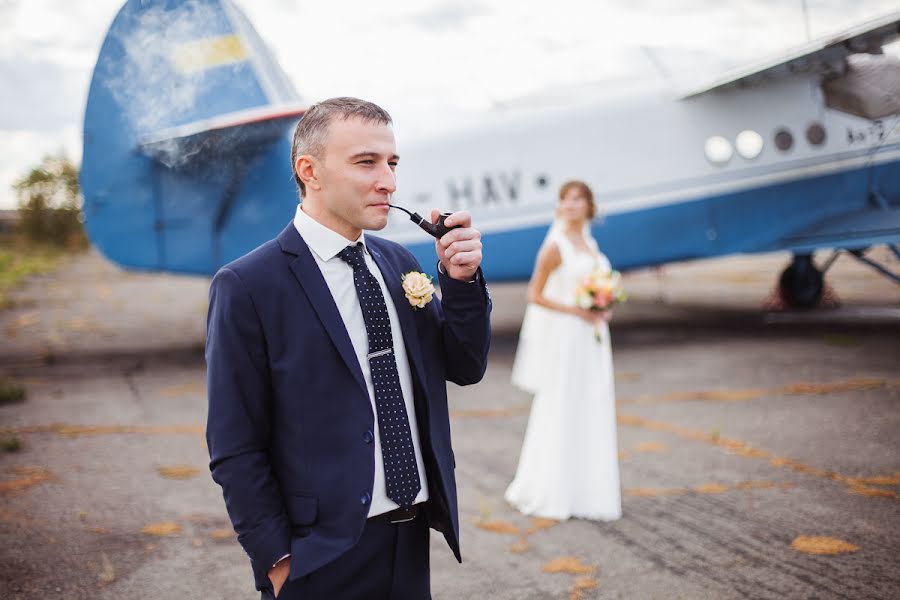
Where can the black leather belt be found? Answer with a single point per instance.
(398, 515)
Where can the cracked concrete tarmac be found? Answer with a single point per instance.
(749, 441)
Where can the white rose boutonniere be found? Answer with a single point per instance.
(418, 288)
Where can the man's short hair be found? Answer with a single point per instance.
(312, 130)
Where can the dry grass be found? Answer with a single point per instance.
(872, 492)
(26, 477)
(539, 524)
(221, 534)
(582, 585)
(650, 447)
(711, 488)
(754, 485)
(167, 529)
(178, 472)
(880, 480)
(107, 572)
(87, 430)
(857, 384)
(20, 261)
(648, 492)
(567, 564)
(503, 527)
(739, 448)
(822, 545)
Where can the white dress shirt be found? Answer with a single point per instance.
(325, 245)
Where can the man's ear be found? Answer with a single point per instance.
(306, 167)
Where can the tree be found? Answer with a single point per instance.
(50, 203)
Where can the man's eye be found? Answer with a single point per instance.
(393, 164)
(367, 161)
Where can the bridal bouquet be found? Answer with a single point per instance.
(599, 291)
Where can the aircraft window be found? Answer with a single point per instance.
(718, 150)
(749, 144)
(784, 139)
(815, 134)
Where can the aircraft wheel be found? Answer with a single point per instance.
(801, 283)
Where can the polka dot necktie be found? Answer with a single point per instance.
(400, 471)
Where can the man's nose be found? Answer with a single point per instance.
(387, 180)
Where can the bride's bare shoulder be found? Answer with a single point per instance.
(549, 255)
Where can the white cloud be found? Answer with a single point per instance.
(429, 62)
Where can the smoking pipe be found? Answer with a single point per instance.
(438, 229)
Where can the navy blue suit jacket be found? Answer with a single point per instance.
(290, 420)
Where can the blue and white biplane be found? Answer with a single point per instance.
(189, 120)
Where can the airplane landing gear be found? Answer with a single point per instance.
(801, 283)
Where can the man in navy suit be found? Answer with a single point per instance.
(328, 427)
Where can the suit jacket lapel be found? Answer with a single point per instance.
(309, 276)
(404, 311)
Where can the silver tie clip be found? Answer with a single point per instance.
(380, 353)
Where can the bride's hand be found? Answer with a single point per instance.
(585, 314)
(592, 316)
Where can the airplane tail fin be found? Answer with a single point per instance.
(177, 84)
(167, 64)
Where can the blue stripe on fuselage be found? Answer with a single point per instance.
(748, 221)
(753, 220)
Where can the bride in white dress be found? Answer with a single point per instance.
(569, 463)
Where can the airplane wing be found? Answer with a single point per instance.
(859, 230)
(229, 133)
(826, 55)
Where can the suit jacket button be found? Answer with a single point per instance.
(368, 437)
(365, 498)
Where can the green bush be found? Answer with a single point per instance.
(10, 444)
(50, 204)
(10, 391)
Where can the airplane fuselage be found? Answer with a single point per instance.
(187, 144)
(661, 199)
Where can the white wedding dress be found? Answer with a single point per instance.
(569, 463)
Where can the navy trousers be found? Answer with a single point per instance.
(390, 562)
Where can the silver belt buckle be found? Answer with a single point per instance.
(415, 513)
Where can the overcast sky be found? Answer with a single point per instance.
(429, 62)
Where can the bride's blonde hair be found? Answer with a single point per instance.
(582, 187)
